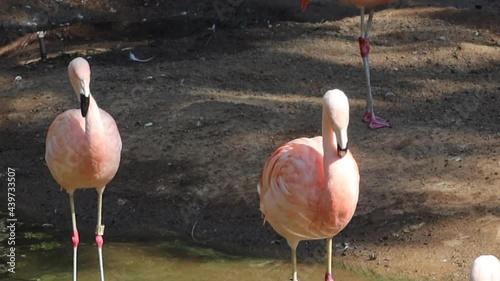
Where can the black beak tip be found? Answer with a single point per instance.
(341, 151)
(84, 104)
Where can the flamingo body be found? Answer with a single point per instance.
(309, 187)
(80, 159)
(485, 268)
(296, 197)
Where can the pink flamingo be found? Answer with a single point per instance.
(374, 122)
(309, 186)
(83, 151)
(485, 268)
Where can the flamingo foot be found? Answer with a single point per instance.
(328, 277)
(375, 122)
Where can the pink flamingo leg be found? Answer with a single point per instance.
(293, 246)
(328, 275)
(99, 241)
(75, 237)
(373, 121)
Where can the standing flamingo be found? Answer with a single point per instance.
(309, 186)
(83, 151)
(485, 268)
(374, 122)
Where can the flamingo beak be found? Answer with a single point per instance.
(303, 4)
(84, 104)
(84, 96)
(341, 151)
(342, 142)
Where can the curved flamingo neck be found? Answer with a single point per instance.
(330, 157)
(93, 121)
(329, 142)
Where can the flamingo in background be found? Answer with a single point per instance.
(369, 117)
(309, 186)
(485, 268)
(83, 150)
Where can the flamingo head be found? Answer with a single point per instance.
(303, 4)
(336, 107)
(79, 76)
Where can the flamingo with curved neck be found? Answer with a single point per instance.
(83, 150)
(309, 186)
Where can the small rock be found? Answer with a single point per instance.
(198, 124)
(18, 78)
(372, 257)
(149, 124)
(442, 38)
(456, 159)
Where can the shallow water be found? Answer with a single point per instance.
(38, 257)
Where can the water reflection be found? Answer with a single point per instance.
(39, 258)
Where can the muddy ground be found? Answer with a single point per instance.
(199, 120)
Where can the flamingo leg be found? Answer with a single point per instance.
(373, 121)
(328, 275)
(76, 237)
(99, 241)
(294, 264)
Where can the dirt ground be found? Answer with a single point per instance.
(199, 120)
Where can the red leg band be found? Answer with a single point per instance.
(75, 238)
(364, 47)
(99, 241)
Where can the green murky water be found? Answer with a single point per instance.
(38, 257)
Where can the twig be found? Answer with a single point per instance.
(192, 230)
